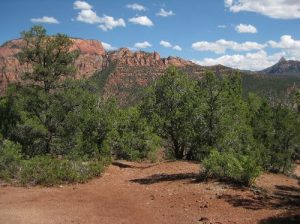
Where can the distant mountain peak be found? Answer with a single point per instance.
(284, 67)
(282, 59)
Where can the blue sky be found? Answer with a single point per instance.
(246, 34)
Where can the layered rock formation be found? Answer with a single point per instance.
(93, 58)
(90, 60)
(10, 68)
(130, 72)
(140, 58)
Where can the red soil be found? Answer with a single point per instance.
(153, 193)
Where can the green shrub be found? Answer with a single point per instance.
(276, 129)
(10, 159)
(48, 171)
(231, 166)
(251, 170)
(131, 137)
(282, 162)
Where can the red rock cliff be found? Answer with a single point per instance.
(90, 60)
(132, 69)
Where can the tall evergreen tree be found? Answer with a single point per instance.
(221, 115)
(49, 58)
(169, 105)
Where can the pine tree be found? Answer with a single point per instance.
(49, 58)
(170, 105)
(48, 61)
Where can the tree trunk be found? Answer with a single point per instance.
(178, 153)
(177, 149)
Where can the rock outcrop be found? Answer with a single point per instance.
(133, 71)
(140, 58)
(93, 58)
(90, 60)
(121, 73)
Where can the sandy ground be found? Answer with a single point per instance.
(167, 192)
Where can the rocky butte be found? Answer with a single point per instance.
(93, 58)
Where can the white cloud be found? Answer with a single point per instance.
(108, 23)
(144, 44)
(82, 5)
(222, 26)
(293, 54)
(45, 19)
(286, 42)
(228, 2)
(245, 28)
(177, 48)
(278, 9)
(137, 7)
(220, 46)
(108, 47)
(289, 45)
(141, 20)
(165, 13)
(165, 43)
(87, 15)
(251, 61)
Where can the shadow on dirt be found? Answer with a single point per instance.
(157, 178)
(290, 218)
(285, 197)
(123, 164)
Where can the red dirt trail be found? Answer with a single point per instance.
(140, 193)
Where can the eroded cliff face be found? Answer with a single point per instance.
(123, 73)
(131, 68)
(90, 60)
(140, 58)
(10, 68)
(133, 71)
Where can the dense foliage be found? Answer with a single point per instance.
(56, 130)
(10, 159)
(131, 137)
(210, 119)
(276, 128)
(195, 117)
(169, 107)
(268, 85)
